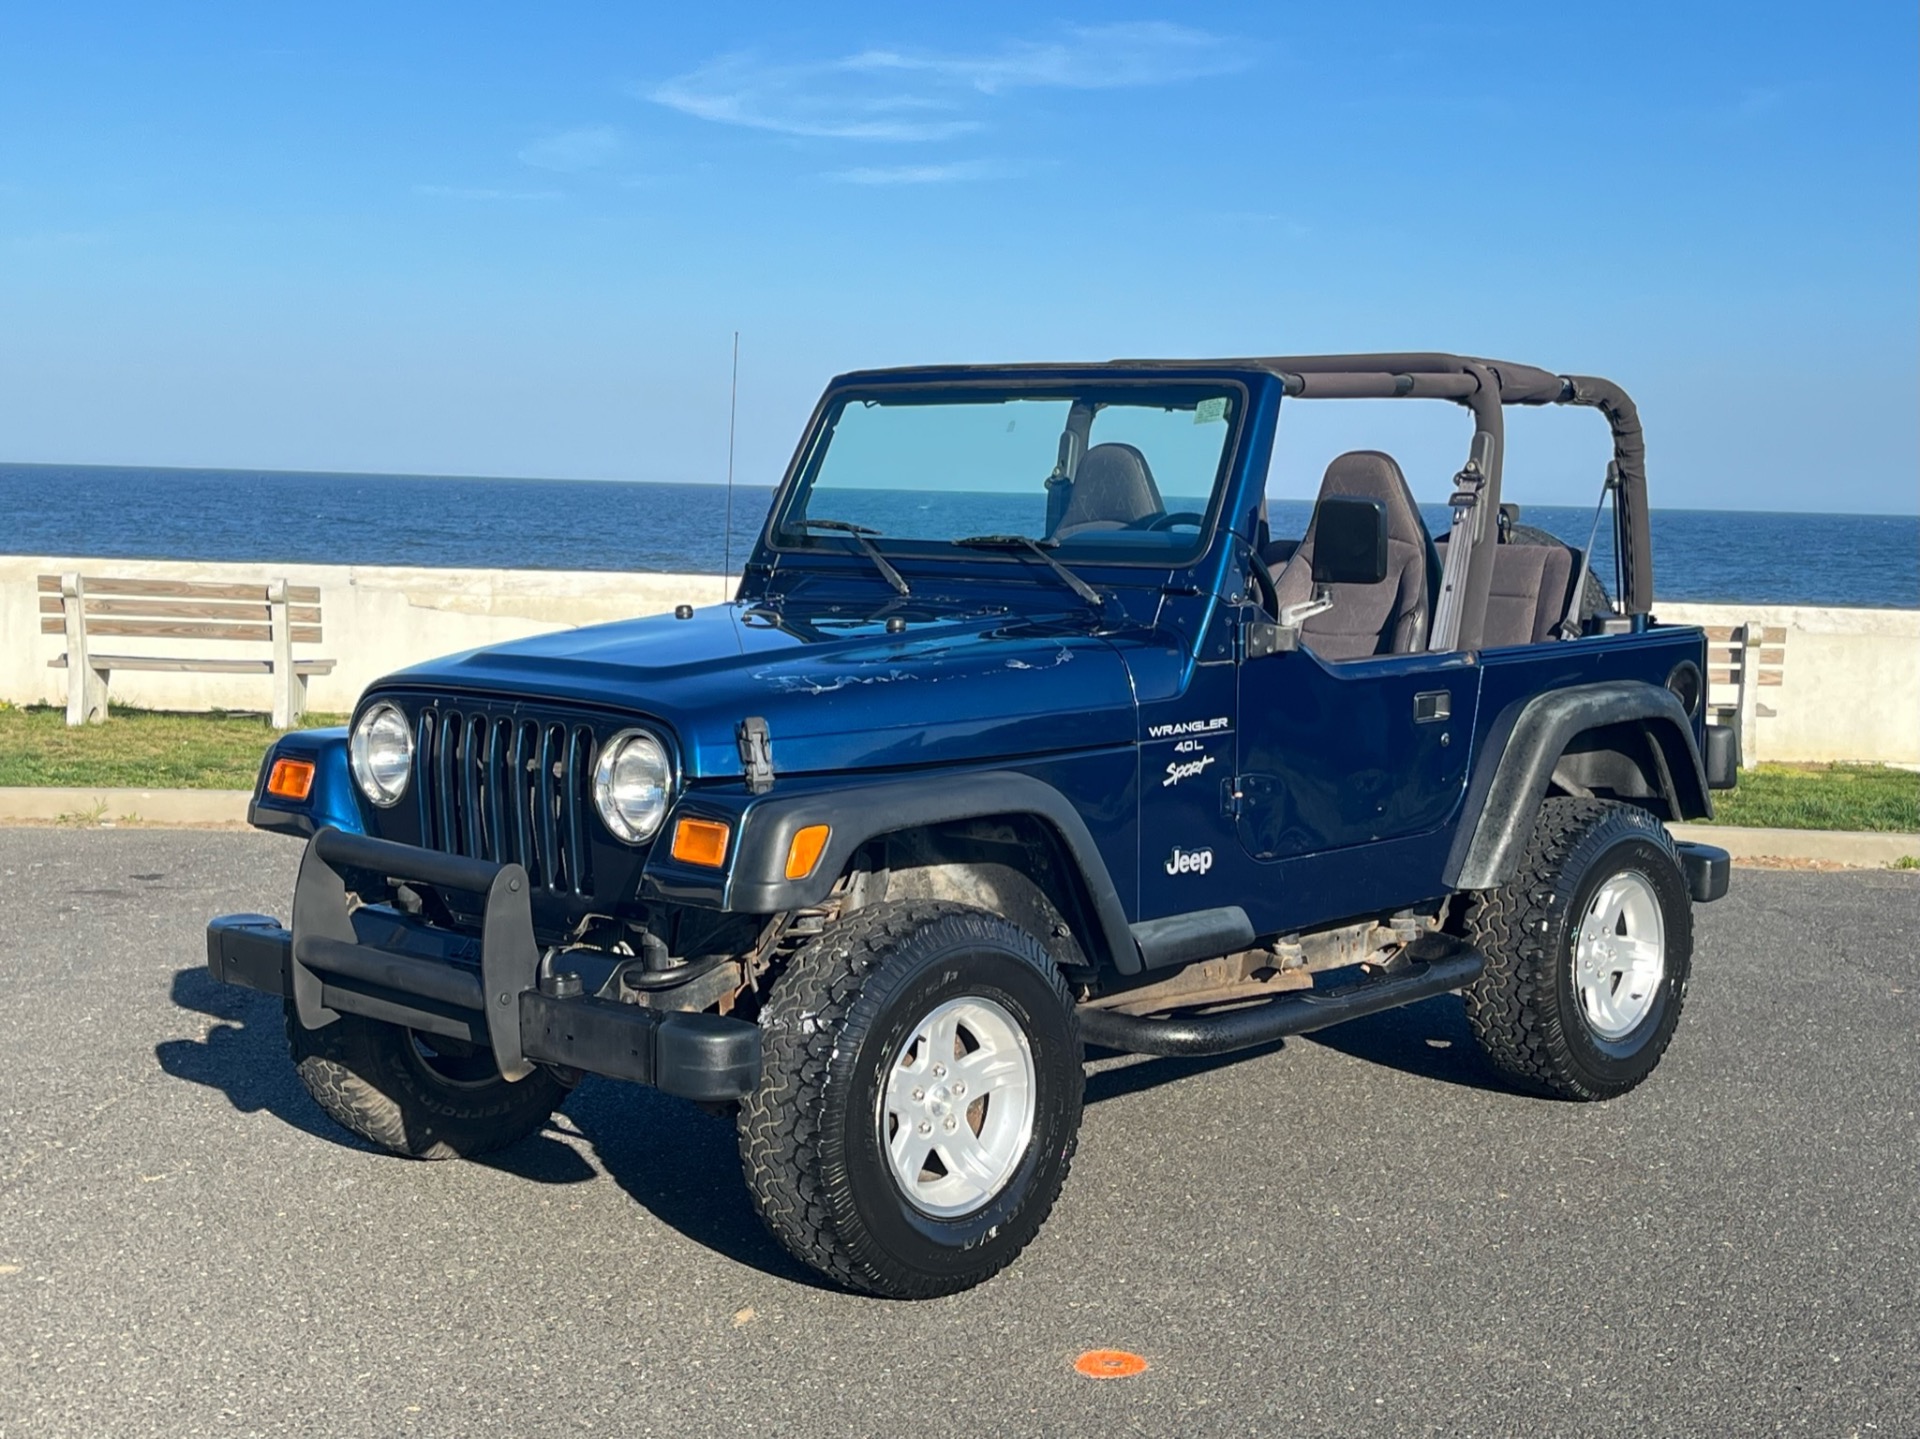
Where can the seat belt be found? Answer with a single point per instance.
(1461, 540)
(1572, 622)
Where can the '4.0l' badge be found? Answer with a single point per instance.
(1190, 861)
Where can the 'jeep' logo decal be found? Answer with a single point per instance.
(1190, 861)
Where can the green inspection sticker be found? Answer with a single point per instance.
(1209, 410)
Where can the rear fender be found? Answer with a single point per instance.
(1631, 738)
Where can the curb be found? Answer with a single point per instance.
(125, 808)
(1849, 849)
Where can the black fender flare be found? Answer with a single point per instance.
(1518, 758)
(764, 826)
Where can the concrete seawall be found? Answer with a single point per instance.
(1848, 687)
(374, 620)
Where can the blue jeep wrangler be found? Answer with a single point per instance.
(1023, 734)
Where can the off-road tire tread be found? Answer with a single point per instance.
(331, 1062)
(778, 1130)
(1517, 928)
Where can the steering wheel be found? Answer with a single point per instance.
(1167, 522)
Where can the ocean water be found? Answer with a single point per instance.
(246, 515)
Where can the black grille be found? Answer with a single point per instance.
(508, 788)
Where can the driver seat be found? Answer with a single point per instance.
(1112, 489)
(1387, 618)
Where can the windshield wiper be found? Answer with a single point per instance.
(1038, 549)
(863, 536)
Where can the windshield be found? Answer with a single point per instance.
(1126, 473)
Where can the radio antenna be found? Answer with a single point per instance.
(733, 409)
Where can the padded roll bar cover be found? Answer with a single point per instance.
(1630, 454)
(1528, 385)
(1519, 759)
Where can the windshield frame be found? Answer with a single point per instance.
(804, 469)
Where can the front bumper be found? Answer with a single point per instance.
(377, 962)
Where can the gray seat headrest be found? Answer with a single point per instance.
(1386, 618)
(1372, 475)
(1112, 488)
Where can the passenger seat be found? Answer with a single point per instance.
(1387, 618)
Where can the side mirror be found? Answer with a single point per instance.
(1349, 541)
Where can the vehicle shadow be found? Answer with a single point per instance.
(1150, 1073)
(682, 1165)
(675, 1161)
(1429, 1039)
(245, 1058)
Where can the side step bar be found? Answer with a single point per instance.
(1432, 964)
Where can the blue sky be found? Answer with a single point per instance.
(517, 240)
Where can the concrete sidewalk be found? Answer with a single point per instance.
(1852, 849)
(222, 808)
(160, 808)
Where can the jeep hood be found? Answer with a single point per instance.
(837, 693)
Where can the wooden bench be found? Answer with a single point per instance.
(86, 608)
(1741, 661)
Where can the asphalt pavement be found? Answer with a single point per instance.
(1356, 1233)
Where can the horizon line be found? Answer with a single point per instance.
(722, 482)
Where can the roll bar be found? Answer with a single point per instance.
(1484, 386)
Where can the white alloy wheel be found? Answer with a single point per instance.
(1620, 955)
(956, 1113)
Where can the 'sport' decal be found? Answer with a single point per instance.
(1180, 769)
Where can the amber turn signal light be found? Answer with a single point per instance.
(804, 853)
(700, 841)
(291, 778)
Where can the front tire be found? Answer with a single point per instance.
(919, 1099)
(1589, 947)
(418, 1095)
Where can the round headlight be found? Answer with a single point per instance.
(630, 785)
(381, 751)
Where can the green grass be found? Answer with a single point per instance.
(155, 749)
(1828, 796)
(135, 749)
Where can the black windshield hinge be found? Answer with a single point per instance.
(756, 754)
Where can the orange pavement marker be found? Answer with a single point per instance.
(1109, 1364)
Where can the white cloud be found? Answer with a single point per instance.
(921, 174)
(916, 96)
(809, 100)
(581, 148)
(1089, 57)
(466, 192)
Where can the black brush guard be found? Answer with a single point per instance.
(374, 961)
